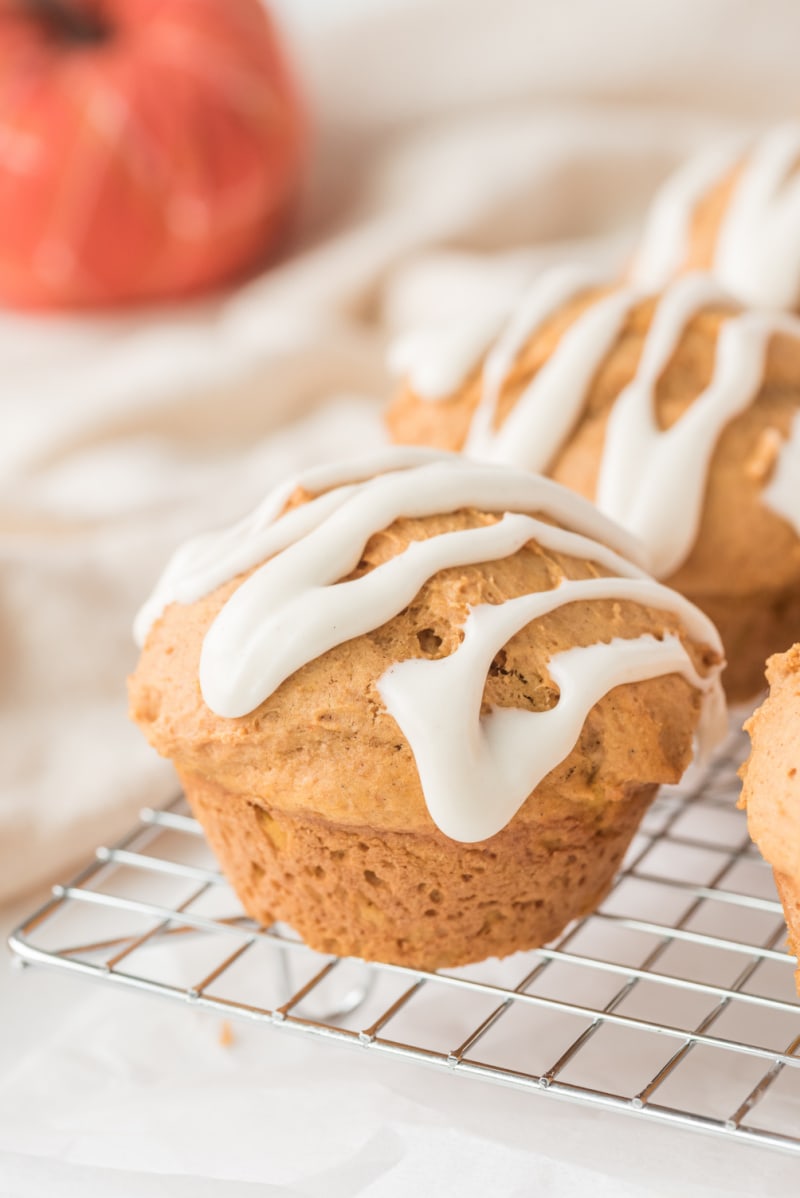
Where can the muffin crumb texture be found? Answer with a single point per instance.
(414, 898)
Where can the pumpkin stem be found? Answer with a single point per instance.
(68, 20)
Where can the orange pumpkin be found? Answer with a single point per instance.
(149, 149)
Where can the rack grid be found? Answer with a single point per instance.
(674, 1001)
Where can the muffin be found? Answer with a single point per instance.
(771, 790)
(733, 211)
(677, 413)
(419, 705)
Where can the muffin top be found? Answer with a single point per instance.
(771, 775)
(419, 637)
(677, 413)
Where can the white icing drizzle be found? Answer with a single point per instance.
(652, 481)
(551, 291)
(757, 254)
(437, 361)
(204, 562)
(664, 247)
(550, 406)
(293, 608)
(782, 493)
(476, 782)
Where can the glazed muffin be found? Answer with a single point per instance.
(771, 790)
(419, 705)
(734, 211)
(678, 414)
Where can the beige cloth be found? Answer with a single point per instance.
(459, 144)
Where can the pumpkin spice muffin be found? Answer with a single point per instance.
(771, 790)
(419, 705)
(677, 413)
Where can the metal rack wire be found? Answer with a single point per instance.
(674, 1001)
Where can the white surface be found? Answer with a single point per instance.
(447, 130)
(225, 1099)
(131, 1097)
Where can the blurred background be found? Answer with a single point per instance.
(211, 228)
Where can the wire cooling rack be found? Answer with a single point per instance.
(674, 1001)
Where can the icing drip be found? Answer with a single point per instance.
(757, 255)
(476, 782)
(757, 252)
(550, 406)
(652, 481)
(551, 291)
(205, 562)
(437, 361)
(289, 611)
(555, 288)
(294, 608)
(664, 248)
(782, 494)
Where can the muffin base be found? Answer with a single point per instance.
(752, 627)
(420, 900)
(789, 894)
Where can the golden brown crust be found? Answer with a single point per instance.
(743, 550)
(789, 893)
(771, 775)
(416, 898)
(771, 784)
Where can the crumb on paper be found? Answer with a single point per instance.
(226, 1034)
